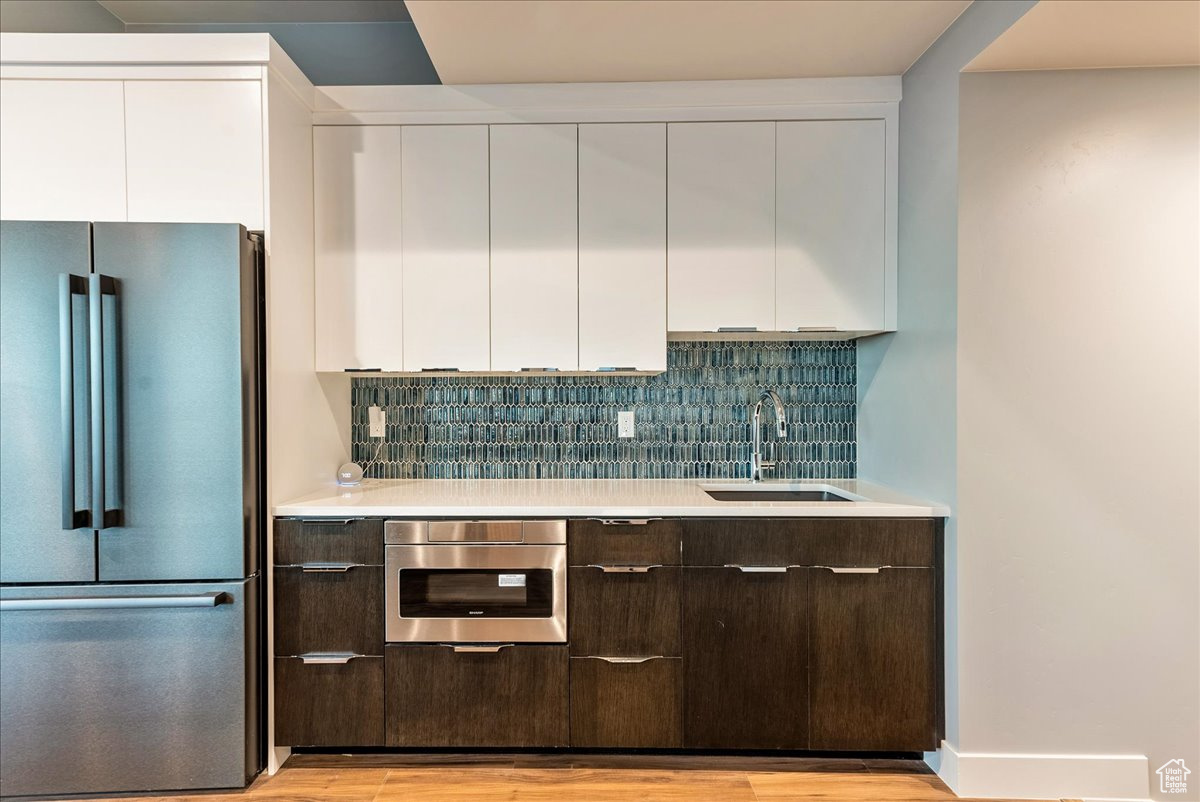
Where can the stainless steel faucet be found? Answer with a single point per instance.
(756, 460)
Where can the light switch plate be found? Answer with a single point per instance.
(625, 424)
(377, 419)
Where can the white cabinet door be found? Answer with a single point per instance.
(359, 293)
(535, 247)
(623, 246)
(445, 222)
(62, 147)
(831, 235)
(194, 151)
(720, 226)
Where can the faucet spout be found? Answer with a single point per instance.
(756, 461)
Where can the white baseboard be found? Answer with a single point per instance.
(1017, 776)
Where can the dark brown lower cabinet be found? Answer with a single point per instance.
(874, 661)
(320, 704)
(745, 658)
(438, 696)
(624, 613)
(626, 705)
(329, 611)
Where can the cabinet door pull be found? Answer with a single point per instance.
(626, 569)
(480, 649)
(629, 659)
(839, 569)
(327, 521)
(624, 521)
(760, 569)
(327, 658)
(326, 568)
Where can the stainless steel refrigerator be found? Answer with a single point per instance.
(131, 504)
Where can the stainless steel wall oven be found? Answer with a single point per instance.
(476, 581)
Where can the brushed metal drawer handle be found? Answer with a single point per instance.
(624, 521)
(626, 569)
(760, 569)
(327, 521)
(480, 649)
(630, 660)
(327, 658)
(326, 568)
(840, 569)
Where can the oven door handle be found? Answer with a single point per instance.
(478, 648)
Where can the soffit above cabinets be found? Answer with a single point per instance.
(1095, 34)
(549, 41)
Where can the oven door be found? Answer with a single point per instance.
(476, 593)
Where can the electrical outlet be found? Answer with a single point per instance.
(378, 421)
(625, 424)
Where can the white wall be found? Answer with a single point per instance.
(906, 381)
(308, 417)
(1079, 423)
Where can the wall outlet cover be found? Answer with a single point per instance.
(625, 424)
(377, 419)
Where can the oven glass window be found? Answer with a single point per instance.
(476, 592)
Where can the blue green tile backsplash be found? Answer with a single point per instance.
(691, 422)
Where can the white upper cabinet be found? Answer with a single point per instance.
(831, 237)
(623, 246)
(445, 222)
(359, 293)
(195, 151)
(62, 147)
(535, 247)
(721, 226)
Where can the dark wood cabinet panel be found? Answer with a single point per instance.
(809, 541)
(516, 697)
(626, 705)
(624, 614)
(873, 669)
(329, 611)
(357, 540)
(592, 542)
(745, 659)
(329, 705)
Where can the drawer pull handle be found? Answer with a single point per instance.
(327, 658)
(325, 568)
(327, 521)
(630, 659)
(760, 569)
(624, 521)
(480, 649)
(839, 569)
(625, 569)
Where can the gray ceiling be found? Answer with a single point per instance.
(227, 11)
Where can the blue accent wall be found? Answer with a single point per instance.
(335, 53)
(691, 421)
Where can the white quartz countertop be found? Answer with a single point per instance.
(598, 498)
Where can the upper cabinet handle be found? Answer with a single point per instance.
(839, 569)
(626, 569)
(624, 521)
(760, 569)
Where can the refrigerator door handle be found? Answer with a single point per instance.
(102, 516)
(69, 285)
(114, 602)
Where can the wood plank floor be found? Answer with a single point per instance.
(586, 778)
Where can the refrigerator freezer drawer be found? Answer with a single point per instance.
(118, 688)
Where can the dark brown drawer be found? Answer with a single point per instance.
(626, 705)
(620, 613)
(329, 611)
(810, 541)
(339, 704)
(347, 540)
(514, 697)
(595, 542)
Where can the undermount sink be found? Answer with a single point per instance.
(775, 492)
